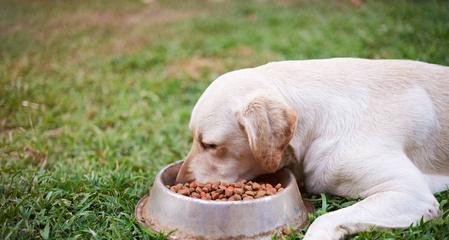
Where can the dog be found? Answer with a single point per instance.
(371, 129)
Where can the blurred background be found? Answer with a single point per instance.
(95, 96)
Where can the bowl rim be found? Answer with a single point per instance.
(158, 182)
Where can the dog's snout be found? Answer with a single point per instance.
(184, 174)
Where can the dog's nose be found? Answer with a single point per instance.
(184, 174)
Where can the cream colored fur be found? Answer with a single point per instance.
(371, 129)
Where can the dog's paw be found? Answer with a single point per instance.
(432, 211)
(325, 228)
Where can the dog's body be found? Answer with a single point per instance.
(374, 129)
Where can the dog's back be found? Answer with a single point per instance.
(398, 98)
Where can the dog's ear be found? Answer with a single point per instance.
(269, 126)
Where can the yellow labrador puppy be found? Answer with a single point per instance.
(371, 129)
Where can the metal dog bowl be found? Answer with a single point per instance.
(190, 218)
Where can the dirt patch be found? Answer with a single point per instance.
(128, 30)
(244, 56)
(243, 51)
(92, 30)
(37, 157)
(195, 67)
(120, 19)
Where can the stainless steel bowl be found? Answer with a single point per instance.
(192, 218)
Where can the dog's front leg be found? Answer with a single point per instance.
(385, 210)
(395, 197)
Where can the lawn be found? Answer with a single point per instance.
(95, 96)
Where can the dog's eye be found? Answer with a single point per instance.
(209, 145)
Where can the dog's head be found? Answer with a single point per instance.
(236, 138)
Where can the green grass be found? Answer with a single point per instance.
(95, 96)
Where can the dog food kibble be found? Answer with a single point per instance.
(244, 190)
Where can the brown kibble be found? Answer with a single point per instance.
(217, 191)
(238, 191)
(178, 186)
(256, 186)
(229, 191)
(286, 231)
(184, 191)
(250, 193)
(248, 187)
(220, 190)
(236, 197)
(193, 184)
(260, 193)
(195, 195)
(214, 195)
(271, 191)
